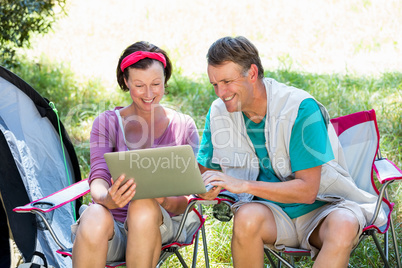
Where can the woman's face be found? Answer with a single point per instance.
(147, 87)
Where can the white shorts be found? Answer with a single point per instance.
(295, 233)
(117, 245)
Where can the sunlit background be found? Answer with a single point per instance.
(357, 42)
(354, 36)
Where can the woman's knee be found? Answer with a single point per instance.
(96, 222)
(144, 211)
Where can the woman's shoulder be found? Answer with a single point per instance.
(182, 128)
(108, 114)
(106, 120)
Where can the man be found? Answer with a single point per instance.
(269, 143)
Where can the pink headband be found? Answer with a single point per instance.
(139, 55)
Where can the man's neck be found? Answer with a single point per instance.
(258, 108)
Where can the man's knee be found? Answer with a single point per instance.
(250, 218)
(342, 228)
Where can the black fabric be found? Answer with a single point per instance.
(23, 225)
(5, 260)
(45, 110)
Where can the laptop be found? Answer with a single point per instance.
(158, 172)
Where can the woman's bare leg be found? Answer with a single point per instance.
(96, 228)
(144, 238)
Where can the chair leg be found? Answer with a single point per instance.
(183, 263)
(386, 246)
(395, 242)
(292, 260)
(379, 248)
(195, 250)
(164, 255)
(269, 258)
(280, 259)
(204, 244)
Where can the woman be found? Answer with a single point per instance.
(113, 228)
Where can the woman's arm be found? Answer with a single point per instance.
(115, 196)
(174, 204)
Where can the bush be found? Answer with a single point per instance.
(19, 20)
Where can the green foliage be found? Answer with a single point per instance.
(80, 102)
(345, 94)
(19, 20)
(190, 96)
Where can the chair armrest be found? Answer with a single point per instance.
(198, 200)
(221, 205)
(49, 203)
(223, 197)
(386, 170)
(56, 199)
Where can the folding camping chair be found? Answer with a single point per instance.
(359, 137)
(44, 208)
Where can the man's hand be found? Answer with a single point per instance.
(220, 180)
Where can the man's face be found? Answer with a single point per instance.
(231, 85)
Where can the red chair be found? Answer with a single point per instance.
(44, 207)
(359, 137)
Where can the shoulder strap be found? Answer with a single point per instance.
(121, 126)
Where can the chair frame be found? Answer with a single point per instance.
(370, 230)
(81, 188)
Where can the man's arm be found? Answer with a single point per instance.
(303, 189)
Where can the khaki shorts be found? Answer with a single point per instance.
(295, 233)
(117, 245)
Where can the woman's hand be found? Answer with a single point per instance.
(116, 196)
(211, 194)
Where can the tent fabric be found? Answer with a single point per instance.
(22, 227)
(31, 167)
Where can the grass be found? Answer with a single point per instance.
(80, 100)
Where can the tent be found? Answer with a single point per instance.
(37, 158)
